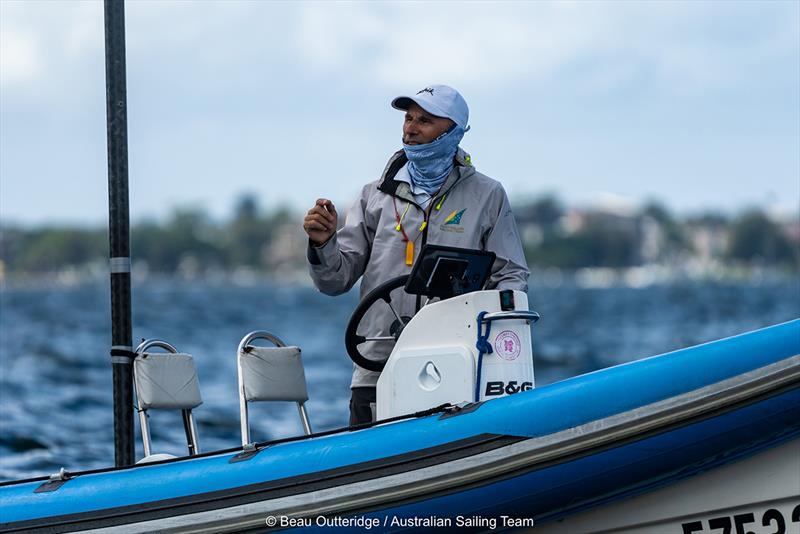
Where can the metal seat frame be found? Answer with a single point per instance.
(188, 419)
(243, 413)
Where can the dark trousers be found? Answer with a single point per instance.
(360, 409)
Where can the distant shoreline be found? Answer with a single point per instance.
(545, 277)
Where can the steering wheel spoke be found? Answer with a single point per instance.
(352, 339)
(397, 315)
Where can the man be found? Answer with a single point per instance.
(429, 192)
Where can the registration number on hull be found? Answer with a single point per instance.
(783, 519)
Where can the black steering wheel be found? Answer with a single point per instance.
(352, 339)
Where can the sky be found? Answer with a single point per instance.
(694, 103)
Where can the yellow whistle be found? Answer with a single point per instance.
(409, 253)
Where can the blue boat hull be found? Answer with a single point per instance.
(542, 454)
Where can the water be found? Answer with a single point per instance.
(55, 377)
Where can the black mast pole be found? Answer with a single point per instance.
(119, 232)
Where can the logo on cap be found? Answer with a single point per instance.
(426, 90)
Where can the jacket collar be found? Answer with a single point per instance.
(390, 186)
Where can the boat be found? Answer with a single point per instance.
(716, 426)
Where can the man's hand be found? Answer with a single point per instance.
(320, 222)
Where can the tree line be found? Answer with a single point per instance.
(553, 236)
(569, 238)
(162, 246)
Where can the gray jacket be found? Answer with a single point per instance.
(471, 211)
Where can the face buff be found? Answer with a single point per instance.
(429, 164)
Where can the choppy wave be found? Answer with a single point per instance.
(55, 378)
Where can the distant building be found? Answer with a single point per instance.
(287, 249)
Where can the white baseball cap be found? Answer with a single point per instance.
(439, 100)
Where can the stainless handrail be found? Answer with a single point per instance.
(160, 343)
(244, 421)
(529, 316)
(188, 419)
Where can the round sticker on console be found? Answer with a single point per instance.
(507, 345)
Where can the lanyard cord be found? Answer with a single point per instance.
(423, 229)
(399, 218)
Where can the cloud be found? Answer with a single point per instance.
(697, 46)
(20, 57)
(45, 42)
(399, 44)
(650, 95)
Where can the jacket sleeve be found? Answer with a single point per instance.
(337, 265)
(510, 270)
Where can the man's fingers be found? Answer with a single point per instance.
(321, 218)
(317, 211)
(327, 204)
(320, 222)
(327, 214)
(315, 226)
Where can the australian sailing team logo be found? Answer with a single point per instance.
(453, 222)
